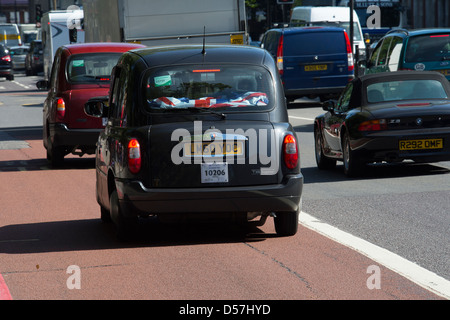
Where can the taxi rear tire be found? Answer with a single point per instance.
(286, 223)
(55, 155)
(124, 226)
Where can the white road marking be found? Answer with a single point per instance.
(22, 85)
(301, 118)
(421, 276)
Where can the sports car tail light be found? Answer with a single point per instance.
(134, 156)
(373, 125)
(7, 58)
(280, 56)
(351, 66)
(290, 151)
(60, 109)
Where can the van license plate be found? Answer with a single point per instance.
(316, 67)
(214, 172)
(421, 144)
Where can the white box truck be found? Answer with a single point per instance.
(162, 22)
(55, 32)
(329, 16)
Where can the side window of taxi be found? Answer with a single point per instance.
(119, 98)
(394, 53)
(55, 71)
(380, 54)
(383, 56)
(115, 94)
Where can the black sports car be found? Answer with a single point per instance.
(197, 132)
(386, 117)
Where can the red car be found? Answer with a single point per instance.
(79, 72)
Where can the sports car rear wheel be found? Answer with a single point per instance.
(323, 162)
(352, 165)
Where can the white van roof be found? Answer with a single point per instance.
(309, 13)
(62, 15)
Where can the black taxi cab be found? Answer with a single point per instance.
(199, 131)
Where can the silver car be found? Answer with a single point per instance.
(18, 55)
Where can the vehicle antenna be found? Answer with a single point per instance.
(204, 35)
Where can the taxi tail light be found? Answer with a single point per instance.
(290, 151)
(280, 56)
(351, 66)
(373, 125)
(134, 156)
(60, 109)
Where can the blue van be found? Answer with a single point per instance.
(312, 61)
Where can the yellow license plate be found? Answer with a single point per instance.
(214, 148)
(316, 67)
(421, 144)
(237, 39)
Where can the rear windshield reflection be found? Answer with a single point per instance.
(226, 87)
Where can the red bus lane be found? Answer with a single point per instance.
(53, 245)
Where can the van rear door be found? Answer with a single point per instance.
(316, 59)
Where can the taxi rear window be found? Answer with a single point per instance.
(226, 87)
(91, 67)
(435, 47)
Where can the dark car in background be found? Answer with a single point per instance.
(197, 133)
(386, 117)
(312, 61)
(6, 66)
(79, 72)
(34, 61)
(419, 50)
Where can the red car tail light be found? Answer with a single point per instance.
(60, 109)
(351, 66)
(134, 156)
(290, 151)
(280, 56)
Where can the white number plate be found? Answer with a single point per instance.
(214, 172)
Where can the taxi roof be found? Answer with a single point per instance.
(154, 56)
(101, 47)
